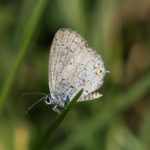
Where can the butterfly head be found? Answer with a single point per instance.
(48, 100)
(56, 100)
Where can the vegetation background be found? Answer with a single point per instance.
(119, 31)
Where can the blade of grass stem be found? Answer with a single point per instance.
(22, 49)
(52, 128)
(107, 114)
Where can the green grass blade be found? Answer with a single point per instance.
(52, 128)
(107, 114)
(23, 46)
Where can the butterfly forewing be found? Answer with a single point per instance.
(58, 55)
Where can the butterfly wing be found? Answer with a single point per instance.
(74, 65)
(60, 53)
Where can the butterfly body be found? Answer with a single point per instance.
(60, 98)
(73, 65)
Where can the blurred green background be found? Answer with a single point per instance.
(119, 31)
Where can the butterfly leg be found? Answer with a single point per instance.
(56, 109)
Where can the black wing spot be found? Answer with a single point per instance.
(67, 100)
(71, 86)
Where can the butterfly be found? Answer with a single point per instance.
(73, 65)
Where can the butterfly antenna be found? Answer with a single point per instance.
(41, 99)
(34, 93)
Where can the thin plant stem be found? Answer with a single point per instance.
(52, 128)
(22, 50)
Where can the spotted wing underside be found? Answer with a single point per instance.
(74, 65)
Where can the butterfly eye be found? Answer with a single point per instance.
(48, 100)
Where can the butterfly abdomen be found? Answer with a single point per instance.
(92, 95)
